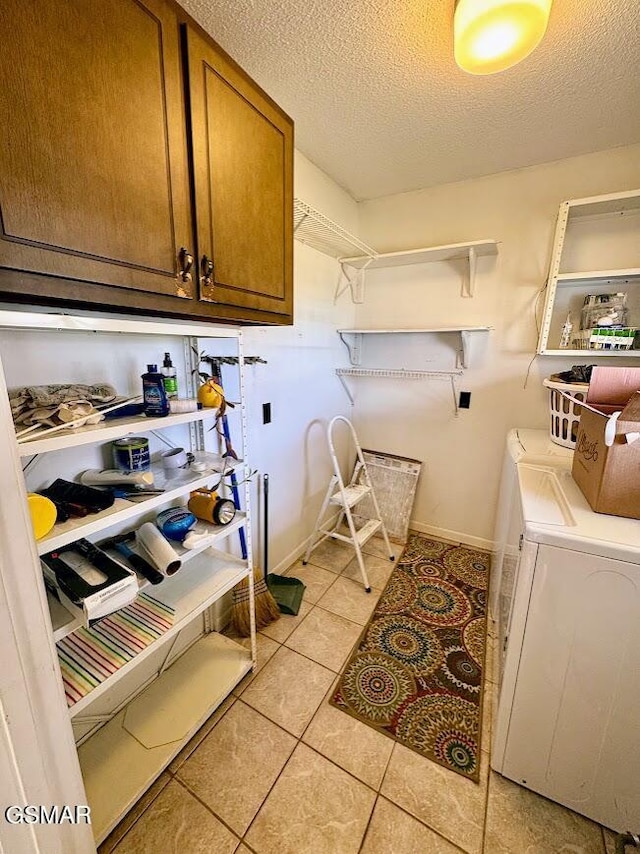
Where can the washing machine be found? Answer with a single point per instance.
(566, 599)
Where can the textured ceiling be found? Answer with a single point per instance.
(380, 105)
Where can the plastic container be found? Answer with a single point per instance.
(155, 398)
(604, 310)
(175, 523)
(603, 338)
(567, 329)
(564, 413)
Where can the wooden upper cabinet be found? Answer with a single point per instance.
(242, 146)
(94, 181)
(130, 144)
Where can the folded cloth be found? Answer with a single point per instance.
(58, 404)
(577, 374)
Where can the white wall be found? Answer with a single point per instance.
(299, 381)
(462, 456)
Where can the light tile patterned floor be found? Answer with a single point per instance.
(277, 770)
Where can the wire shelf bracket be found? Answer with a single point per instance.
(316, 230)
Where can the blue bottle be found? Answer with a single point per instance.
(156, 403)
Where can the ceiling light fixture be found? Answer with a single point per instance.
(491, 35)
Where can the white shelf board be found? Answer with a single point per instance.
(448, 252)
(62, 620)
(583, 278)
(89, 323)
(216, 534)
(114, 428)
(415, 331)
(121, 510)
(190, 591)
(355, 347)
(116, 767)
(592, 354)
(628, 200)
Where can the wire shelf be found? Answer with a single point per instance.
(318, 231)
(394, 373)
(399, 373)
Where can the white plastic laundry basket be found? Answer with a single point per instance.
(564, 413)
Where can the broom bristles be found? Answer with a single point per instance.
(266, 606)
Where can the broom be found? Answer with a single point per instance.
(266, 608)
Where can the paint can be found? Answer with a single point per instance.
(131, 454)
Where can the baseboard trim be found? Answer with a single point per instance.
(300, 549)
(454, 536)
(421, 527)
(291, 558)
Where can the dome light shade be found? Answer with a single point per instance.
(491, 35)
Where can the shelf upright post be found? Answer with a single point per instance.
(554, 270)
(247, 496)
(191, 361)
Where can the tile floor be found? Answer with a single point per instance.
(277, 770)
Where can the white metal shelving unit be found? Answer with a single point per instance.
(120, 759)
(317, 230)
(598, 227)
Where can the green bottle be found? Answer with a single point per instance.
(169, 377)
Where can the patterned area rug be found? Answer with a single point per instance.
(416, 674)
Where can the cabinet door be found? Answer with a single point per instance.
(243, 156)
(93, 167)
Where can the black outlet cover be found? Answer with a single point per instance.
(465, 400)
(266, 413)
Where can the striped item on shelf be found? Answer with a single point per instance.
(89, 656)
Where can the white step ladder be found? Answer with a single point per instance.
(346, 497)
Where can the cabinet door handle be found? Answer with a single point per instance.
(206, 268)
(185, 260)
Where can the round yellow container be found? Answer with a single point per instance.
(210, 394)
(43, 514)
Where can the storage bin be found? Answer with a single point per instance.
(604, 310)
(605, 339)
(564, 413)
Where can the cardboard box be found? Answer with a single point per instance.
(609, 474)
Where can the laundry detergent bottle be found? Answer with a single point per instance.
(156, 403)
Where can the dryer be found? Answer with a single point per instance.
(566, 598)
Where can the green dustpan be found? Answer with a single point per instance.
(287, 592)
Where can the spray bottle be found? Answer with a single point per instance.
(567, 330)
(169, 377)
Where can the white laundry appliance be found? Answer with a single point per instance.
(566, 597)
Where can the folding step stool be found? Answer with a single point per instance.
(346, 497)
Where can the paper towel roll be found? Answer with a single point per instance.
(158, 548)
